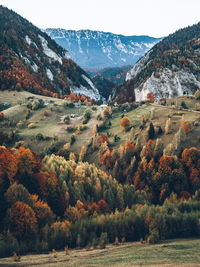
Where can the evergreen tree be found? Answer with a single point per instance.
(151, 131)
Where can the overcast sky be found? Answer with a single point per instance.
(129, 17)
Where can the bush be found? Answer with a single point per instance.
(87, 115)
(125, 123)
(53, 148)
(183, 105)
(153, 238)
(32, 125)
(46, 113)
(103, 240)
(72, 139)
(69, 105)
(83, 127)
(99, 118)
(35, 104)
(1, 116)
(66, 119)
(71, 129)
(40, 137)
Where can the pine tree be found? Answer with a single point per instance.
(151, 131)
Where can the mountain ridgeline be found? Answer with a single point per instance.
(97, 49)
(171, 68)
(32, 61)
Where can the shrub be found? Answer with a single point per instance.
(103, 240)
(106, 113)
(72, 139)
(99, 118)
(20, 143)
(69, 105)
(125, 123)
(66, 119)
(87, 115)
(71, 129)
(46, 113)
(40, 137)
(82, 127)
(1, 116)
(32, 125)
(153, 238)
(183, 105)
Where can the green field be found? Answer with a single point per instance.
(183, 252)
(52, 125)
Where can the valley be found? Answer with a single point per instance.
(99, 146)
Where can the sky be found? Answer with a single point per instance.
(156, 18)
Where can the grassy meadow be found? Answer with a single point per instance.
(183, 252)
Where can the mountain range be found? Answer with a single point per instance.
(32, 61)
(171, 68)
(97, 49)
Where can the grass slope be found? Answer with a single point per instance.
(183, 252)
(52, 125)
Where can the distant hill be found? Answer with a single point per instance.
(32, 61)
(107, 79)
(171, 68)
(92, 49)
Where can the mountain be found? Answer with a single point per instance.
(107, 79)
(171, 68)
(32, 61)
(104, 85)
(102, 49)
(116, 75)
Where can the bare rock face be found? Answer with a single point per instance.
(167, 84)
(171, 68)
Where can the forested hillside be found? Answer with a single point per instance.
(32, 61)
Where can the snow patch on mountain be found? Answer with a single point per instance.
(169, 84)
(48, 52)
(67, 55)
(28, 40)
(34, 67)
(102, 49)
(49, 74)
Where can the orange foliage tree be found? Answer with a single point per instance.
(186, 127)
(8, 164)
(125, 123)
(1, 116)
(22, 220)
(150, 97)
(43, 212)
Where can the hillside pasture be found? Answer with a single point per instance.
(182, 253)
